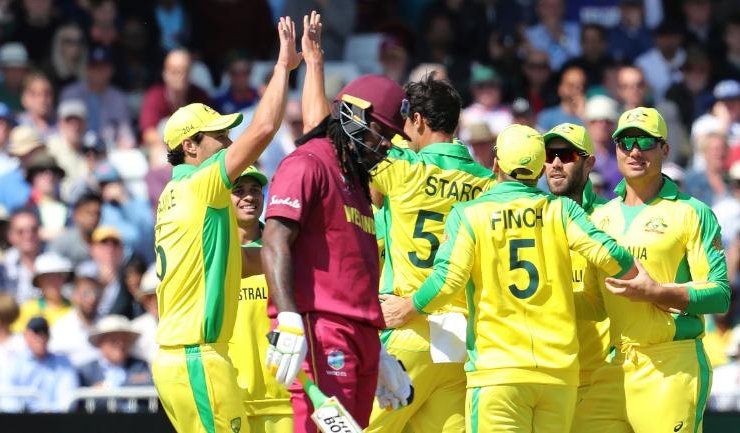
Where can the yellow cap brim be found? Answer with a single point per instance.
(550, 135)
(222, 122)
(655, 134)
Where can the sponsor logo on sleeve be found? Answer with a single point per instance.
(286, 201)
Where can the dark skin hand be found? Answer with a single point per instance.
(277, 261)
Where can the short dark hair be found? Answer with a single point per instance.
(88, 197)
(436, 101)
(176, 156)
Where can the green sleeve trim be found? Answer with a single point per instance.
(387, 275)
(220, 157)
(216, 245)
(703, 385)
(199, 387)
(713, 300)
(688, 326)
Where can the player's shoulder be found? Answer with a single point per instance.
(607, 207)
(691, 204)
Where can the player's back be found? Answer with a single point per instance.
(420, 189)
(198, 259)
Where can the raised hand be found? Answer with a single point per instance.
(288, 56)
(311, 40)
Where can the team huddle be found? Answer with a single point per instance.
(497, 307)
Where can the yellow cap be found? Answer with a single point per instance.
(194, 118)
(102, 233)
(574, 134)
(252, 171)
(645, 119)
(520, 147)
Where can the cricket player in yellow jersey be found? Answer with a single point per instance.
(660, 378)
(569, 154)
(509, 252)
(419, 185)
(267, 402)
(198, 255)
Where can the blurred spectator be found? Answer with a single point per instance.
(37, 99)
(116, 367)
(727, 209)
(132, 277)
(717, 338)
(239, 95)
(480, 141)
(724, 396)
(601, 119)
(485, 86)
(44, 175)
(632, 88)
(51, 273)
(598, 186)
(106, 251)
(437, 45)
(68, 56)
(66, 144)
(14, 65)
(104, 25)
(662, 65)
(631, 37)
(74, 243)
(539, 90)
(728, 67)
(709, 184)
(522, 113)
(107, 107)
(19, 261)
(161, 100)
(131, 215)
(35, 24)
(15, 192)
(603, 13)
(693, 95)
(700, 29)
(559, 39)
(595, 57)
(146, 324)
(138, 54)
(173, 23)
(50, 376)
(69, 335)
(421, 71)
(7, 121)
(394, 59)
(337, 17)
(572, 93)
(10, 343)
(725, 112)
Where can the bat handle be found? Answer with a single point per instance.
(317, 397)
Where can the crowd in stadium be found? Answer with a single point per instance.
(87, 85)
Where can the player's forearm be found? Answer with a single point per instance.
(435, 292)
(278, 266)
(314, 105)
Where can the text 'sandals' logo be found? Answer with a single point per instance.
(656, 225)
(335, 359)
(287, 201)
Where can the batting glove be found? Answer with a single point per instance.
(394, 385)
(287, 348)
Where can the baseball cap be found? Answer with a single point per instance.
(24, 140)
(483, 74)
(105, 172)
(726, 89)
(99, 54)
(38, 325)
(645, 119)
(384, 96)
(252, 171)
(574, 134)
(102, 233)
(43, 161)
(194, 118)
(601, 107)
(13, 54)
(93, 142)
(520, 147)
(72, 108)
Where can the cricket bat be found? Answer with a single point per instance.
(329, 415)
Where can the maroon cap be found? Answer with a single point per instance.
(384, 94)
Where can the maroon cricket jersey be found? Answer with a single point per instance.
(335, 260)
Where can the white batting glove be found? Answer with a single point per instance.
(287, 348)
(394, 385)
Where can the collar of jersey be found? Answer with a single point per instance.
(450, 149)
(590, 199)
(513, 186)
(184, 170)
(669, 190)
(257, 242)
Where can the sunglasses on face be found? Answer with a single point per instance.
(642, 143)
(564, 155)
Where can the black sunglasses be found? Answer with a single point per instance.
(642, 143)
(564, 155)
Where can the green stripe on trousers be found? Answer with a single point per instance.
(197, 376)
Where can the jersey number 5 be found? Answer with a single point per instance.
(515, 263)
(419, 233)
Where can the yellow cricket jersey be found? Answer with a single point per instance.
(248, 350)
(510, 250)
(593, 337)
(420, 189)
(198, 257)
(677, 239)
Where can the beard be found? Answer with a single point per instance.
(570, 186)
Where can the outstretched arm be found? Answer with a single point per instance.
(314, 105)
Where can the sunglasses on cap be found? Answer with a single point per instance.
(564, 155)
(642, 143)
